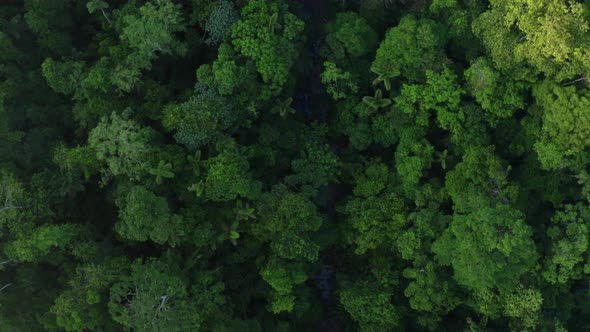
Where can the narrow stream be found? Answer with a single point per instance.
(312, 100)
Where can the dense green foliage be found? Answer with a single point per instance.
(294, 165)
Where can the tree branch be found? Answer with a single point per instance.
(584, 78)
(11, 207)
(7, 285)
(105, 15)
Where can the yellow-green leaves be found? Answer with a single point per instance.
(490, 247)
(370, 306)
(228, 175)
(121, 144)
(569, 244)
(146, 216)
(566, 126)
(548, 35)
(272, 45)
(411, 48)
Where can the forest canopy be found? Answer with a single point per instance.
(294, 165)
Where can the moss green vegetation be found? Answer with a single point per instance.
(294, 165)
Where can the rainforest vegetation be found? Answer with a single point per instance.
(294, 165)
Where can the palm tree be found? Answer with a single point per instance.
(198, 188)
(441, 157)
(376, 102)
(231, 233)
(385, 77)
(583, 178)
(273, 22)
(163, 170)
(244, 211)
(196, 162)
(284, 107)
